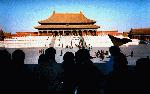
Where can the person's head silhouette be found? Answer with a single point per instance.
(68, 59)
(114, 50)
(68, 56)
(5, 57)
(42, 59)
(18, 57)
(50, 53)
(81, 55)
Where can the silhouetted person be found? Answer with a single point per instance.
(5, 57)
(142, 75)
(96, 54)
(61, 53)
(20, 76)
(102, 55)
(131, 53)
(118, 81)
(69, 73)
(106, 53)
(42, 74)
(5, 71)
(88, 76)
(24, 81)
(50, 71)
(18, 57)
(50, 54)
(42, 58)
(119, 60)
(143, 66)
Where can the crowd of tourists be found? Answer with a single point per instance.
(75, 75)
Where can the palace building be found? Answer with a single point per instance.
(67, 24)
(140, 33)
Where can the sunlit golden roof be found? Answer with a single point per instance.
(67, 18)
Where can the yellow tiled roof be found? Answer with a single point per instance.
(67, 18)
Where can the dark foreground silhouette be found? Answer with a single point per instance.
(75, 75)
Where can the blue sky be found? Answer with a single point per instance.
(121, 15)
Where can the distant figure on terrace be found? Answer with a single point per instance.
(131, 53)
(69, 73)
(102, 55)
(88, 76)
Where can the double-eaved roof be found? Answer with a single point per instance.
(68, 26)
(67, 21)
